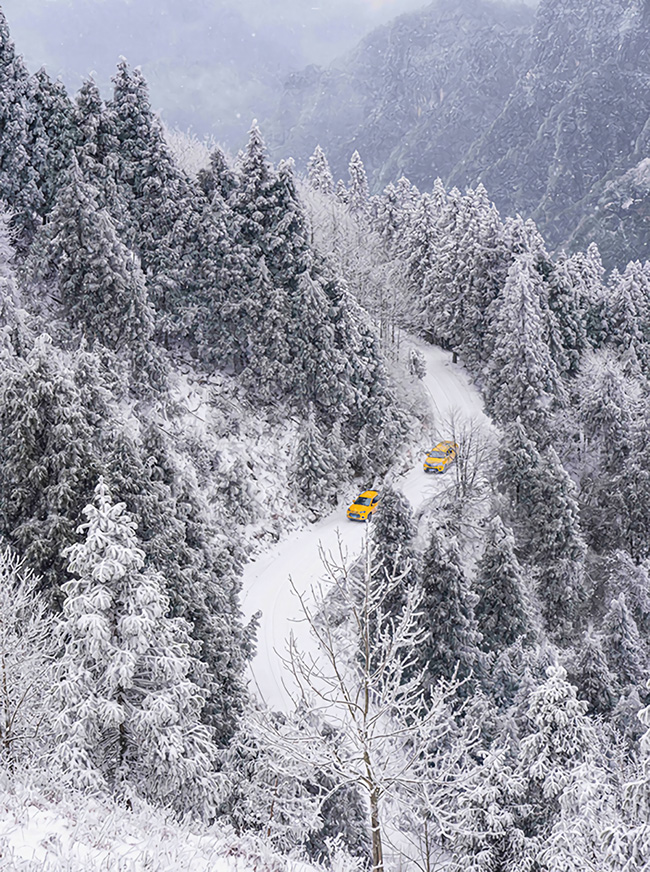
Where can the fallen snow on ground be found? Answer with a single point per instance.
(79, 833)
(295, 561)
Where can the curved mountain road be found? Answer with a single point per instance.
(267, 579)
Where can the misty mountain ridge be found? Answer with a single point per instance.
(548, 109)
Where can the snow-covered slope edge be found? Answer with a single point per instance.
(46, 832)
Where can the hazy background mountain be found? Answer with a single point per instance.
(211, 64)
(550, 110)
(412, 96)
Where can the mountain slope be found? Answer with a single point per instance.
(551, 115)
(576, 116)
(412, 96)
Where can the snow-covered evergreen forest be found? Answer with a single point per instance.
(201, 354)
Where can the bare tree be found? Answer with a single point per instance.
(476, 451)
(26, 651)
(398, 748)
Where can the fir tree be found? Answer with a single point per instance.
(219, 178)
(627, 655)
(199, 562)
(17, 176)
(570, 315)
(49, 456)
(452, 638)
(522, 380)
(559, 737)
(358, 193)
(489, 832)
(130, 716)
(319, 174)
(8, 286)
(502, 612)
(625, 309)
(51, 135)
(393, 535)
(315, 471)
(160, 200)
(589, 673)
(102, 286)
(97, 149)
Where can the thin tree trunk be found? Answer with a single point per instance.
(377, 849)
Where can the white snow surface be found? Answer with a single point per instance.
(42, 831)
(295, 560)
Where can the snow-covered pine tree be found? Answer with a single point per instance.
(8, 287)
(51, 135)
(629, 842)
(586, 273)
(160, 200)
(502, 610)
(589, 809)
(199, 562)
(218, 178)
(626, 308)
(319, 174)
(101, 284)
(559, 737)
(97, 150)
(488, 833)
(450, 645)
(130, 718)
(626, 651)
(18, 185)
(480, 273)
(254, 200)
(521, 378)
(49, 459)
(420, 252)
(358, 192)
(341, 192)
(589, 673)
(625, 575)
(570, 315)
(608, 412)
(315, 470)
(393, 535)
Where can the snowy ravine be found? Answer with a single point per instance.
(267, 579)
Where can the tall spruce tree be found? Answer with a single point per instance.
(160, 201)
(358, 193)
(130, 716)
(502, 611)
(18, 178)
(102, 287)
(521, 378)
(626, 651)
(451, 644)
(199, 560)
(51, 135)
(589, 673)
(50, 462)
(218, 178)
(558, 737)
(393, 536)
(319, 174)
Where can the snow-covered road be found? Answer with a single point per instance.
(267, 579)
